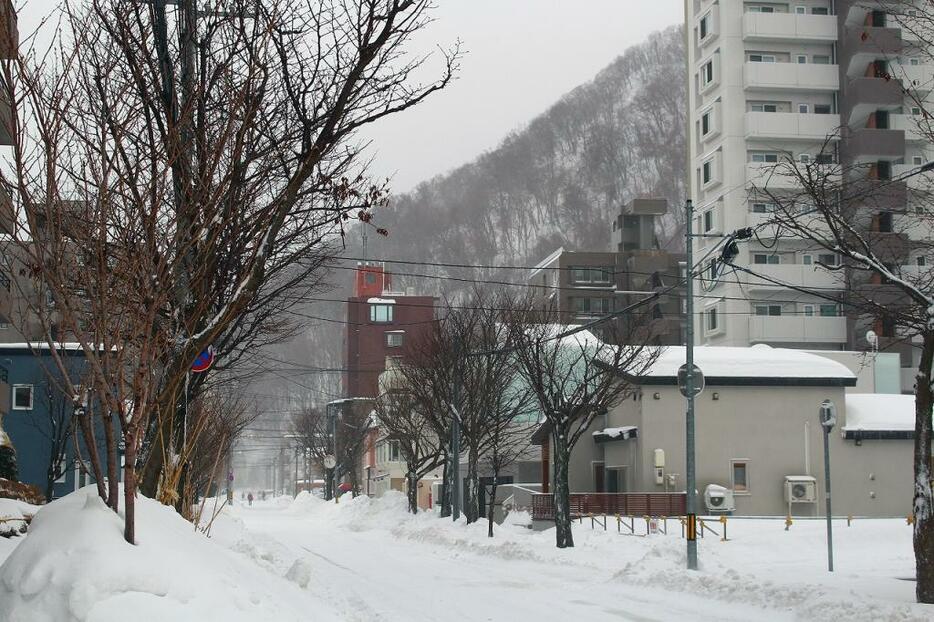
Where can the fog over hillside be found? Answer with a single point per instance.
(558, 181)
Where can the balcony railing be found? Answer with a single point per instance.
(608, 503)
(797, 329)
(791, 125)
(791, 76)
(800, 275)
(789, 27)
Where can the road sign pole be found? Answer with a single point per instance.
(828, 417)
(689, 417)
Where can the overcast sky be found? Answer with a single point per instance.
(522, 56)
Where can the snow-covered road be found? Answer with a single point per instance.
(371, 561)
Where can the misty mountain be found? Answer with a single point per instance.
(558, 181)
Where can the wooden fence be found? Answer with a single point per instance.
(623, 503)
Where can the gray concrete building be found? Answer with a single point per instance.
(758, 436)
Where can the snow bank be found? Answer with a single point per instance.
(75, 565)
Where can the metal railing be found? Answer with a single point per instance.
(623, 503)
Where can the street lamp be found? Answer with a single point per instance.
(828, 418)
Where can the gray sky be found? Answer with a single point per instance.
(522, 56)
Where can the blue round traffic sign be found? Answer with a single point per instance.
(204, 360)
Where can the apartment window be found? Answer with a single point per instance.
(591, 306)
(394, 340)
(917, 160)
(739, 475)
(704, 26)
(827, 259)
(591, 275)
(914, 61)
(705, 123)
(885, 222)
(22, 396)
(807, 260)
(830, 310)
(764, 107)
(878, 19)
(920, 260)
(821, 108)
(381, 313)
(883, 169)
(712, 320)
(804, 158)
(708, 221)
(764, 258)
(707, 72)
(708, 172)
(916, 111)
(713, 269)
(761, 9)
(771, 158)
(394, 454)
(760, 58)
(804, 108)
(808, 310)
(820, 10)
(768, 310)
(763, 208)
(820, 59)
(824, 158)
(801, 10)
(802, 59)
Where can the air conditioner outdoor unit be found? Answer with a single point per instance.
(800, 489)
(719, 499)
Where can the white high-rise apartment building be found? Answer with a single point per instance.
(771, 80)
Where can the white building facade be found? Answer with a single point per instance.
(808, 80)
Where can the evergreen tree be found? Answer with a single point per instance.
(8, 463)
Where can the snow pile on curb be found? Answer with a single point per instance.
(75, 565)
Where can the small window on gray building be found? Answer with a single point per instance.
(740, 475)
(22, 396)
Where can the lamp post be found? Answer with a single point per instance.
(828, 418)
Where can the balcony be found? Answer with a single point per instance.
(876, 194)
(792, 125)
(865, 95)
(799, 275)
(870, 42)
(908, 124)
(871, 145)
(789, 27)
(797, 329)
(762, 175)
(791, 77)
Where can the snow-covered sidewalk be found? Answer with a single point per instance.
(367, 559)
(373, 561)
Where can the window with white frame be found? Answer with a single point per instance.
(395, 339)
(804, 108)
(381, 313)
(707, 76)
(704, 27)
(763, 107)
(820, 59)
(801, 10)
(712, 323)
(802, 59)
(739, 475)
(766, 259)
(829, 310)
(808, 310)
(764, 157)
(772, 310)
(761, 207)
(706, 122)
(22, 396)
(760, 58)
(709, 220)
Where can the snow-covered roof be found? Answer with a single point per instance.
(39, 345)
(381, 301)
(879, 412)
(759, 364)
(544, 263)
(616, 434)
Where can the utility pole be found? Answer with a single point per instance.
(689, 363)
(456, 494)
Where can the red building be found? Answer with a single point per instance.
(380, 323)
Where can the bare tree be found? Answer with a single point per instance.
(154, 204)
(575, 377)
(402, 418)
(312, 434)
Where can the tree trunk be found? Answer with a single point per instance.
(129, 489)
(923, 508)
(490, 509)
(472, 507)
(446, 487)
(412, 491)
(87, 431)
(113, 479)
(562, 495)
